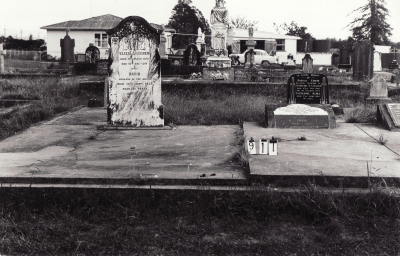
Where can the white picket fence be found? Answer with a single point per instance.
(23, 55)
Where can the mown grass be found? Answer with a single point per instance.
(159, 222)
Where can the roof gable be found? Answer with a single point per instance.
(103, 22)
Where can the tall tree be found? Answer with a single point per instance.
(371, 23)
(242, 22)
(187, 19)
(293, 30)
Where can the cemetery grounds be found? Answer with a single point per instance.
(311, 221)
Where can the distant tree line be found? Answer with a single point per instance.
(20, 44)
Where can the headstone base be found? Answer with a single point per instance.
(372, 102)
(300, 116)
(385, 119)
(218, 62)
(219, 74)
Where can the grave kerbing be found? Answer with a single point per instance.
(134, 95)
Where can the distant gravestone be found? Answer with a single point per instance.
(307, 64)
(67, 48)
(378, 87)
(308, 89)
(134, 94)
(92, 54)
(378, 91)
(102, 67)
(191, 56)
(249, 59)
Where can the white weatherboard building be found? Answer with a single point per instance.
(85, 32)
(282, 45)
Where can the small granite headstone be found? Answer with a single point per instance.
(134, 80)
(308, 89)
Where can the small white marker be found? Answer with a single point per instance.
(251, 146)
(273, 147)
(263, 147)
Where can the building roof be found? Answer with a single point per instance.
(243, 34)
(103, 22)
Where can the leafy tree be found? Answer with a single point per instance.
(371, 24)
(187, 19)
(293, 30)
(30, 37)
(242, 22)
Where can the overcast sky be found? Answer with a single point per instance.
(323, 18)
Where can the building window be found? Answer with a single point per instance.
(280, 44)
(101, 40)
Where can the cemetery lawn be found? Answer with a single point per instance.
(153, 222)
(184, 103)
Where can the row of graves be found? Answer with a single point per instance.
(133, 87)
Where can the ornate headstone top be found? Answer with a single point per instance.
(220, 3)
(219, 14)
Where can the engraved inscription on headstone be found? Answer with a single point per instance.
(308, 89)
(394, 111)
(135, 81)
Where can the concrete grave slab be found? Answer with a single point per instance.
(338, 153)
(70, 149)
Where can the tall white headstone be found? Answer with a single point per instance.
(134, 74)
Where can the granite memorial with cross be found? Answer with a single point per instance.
(134, 94)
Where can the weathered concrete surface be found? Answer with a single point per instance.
(341, 152)
(69, 149)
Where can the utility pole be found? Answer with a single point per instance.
(21, 33)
